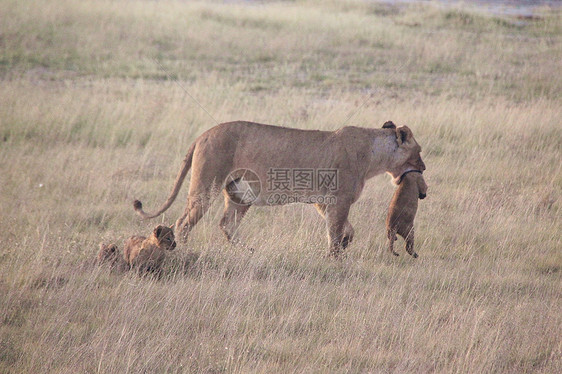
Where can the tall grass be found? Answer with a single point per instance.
(89, 121)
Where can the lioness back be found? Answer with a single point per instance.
(248, 144)
(282, 146)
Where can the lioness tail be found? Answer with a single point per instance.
(186, 165)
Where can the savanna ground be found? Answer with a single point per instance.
(92, 116)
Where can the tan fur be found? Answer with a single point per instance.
(147, 254)
(356, 153)
(402, 211)
(108, 254)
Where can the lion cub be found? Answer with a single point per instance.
(108, 253)
(147, 254)
(403, 208)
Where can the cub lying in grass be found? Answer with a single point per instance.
(109, 254)
(140, 253)
(403, 208)
(147, 254)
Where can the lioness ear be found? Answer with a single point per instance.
(389, 125)
(403, 134)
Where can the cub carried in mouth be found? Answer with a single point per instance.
(403, 208)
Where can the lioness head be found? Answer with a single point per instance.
(165, 237)
(408, 151)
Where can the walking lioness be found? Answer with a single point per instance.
(259, 165)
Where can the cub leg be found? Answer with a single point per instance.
(391, 234)
(410, 243)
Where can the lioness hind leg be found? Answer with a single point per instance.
(195, 210)
(233, 214)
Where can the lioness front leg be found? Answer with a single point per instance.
(336, 217)
(348, 231)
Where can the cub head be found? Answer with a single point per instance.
(165, 237)
(414, 178)
(407, 155)
(107, 253)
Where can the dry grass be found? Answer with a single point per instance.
(88, 121)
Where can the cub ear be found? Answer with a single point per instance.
(158, 231)
(389, 125)
(403, 135)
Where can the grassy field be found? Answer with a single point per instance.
(92, 116)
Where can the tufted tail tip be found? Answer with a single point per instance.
(137, 205)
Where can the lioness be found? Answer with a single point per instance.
(257, 164)
(147, 254)
(403, 208)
